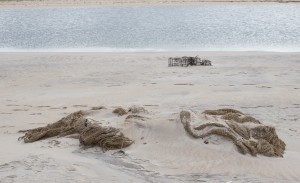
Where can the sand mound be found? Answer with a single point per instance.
(89, 134)
(253, 138)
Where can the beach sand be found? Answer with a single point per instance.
(40, 88)
(94, 3)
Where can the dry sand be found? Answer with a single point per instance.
(40, 88)
(93, 3)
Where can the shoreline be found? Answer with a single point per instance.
(126, 3)
(144, 52)
(78, 51)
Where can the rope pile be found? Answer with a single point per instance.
(90, 134)
(246, 132)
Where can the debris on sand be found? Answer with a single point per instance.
(241, 118)
(233, 115)
(188, 61)
(73, 123)
(222, 111)
(247, 133)
(120, 111)
(134, 116)
(98, 108)
(136, 109)
(90, 134)
(106, 137)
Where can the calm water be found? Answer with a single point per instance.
(274, 27)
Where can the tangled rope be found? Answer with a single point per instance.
(249, 139)
(90, 134)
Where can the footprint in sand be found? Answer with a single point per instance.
(294, 130)
(12, 176)
(54, 143)
(71, 169)
(295, 106)
(20, 109)
(8, 179)
(226, 105)
(183, 84)
(79, 105)
(112, 85)
(265, 106)
(259, 106)
(45, 86)
(6, 167)
(55, 108)
(35, 113)
(43, 106)
(37, 123)
(15, 105)
(7, 126)
(249, 84)
(263, 87)
(59, 108)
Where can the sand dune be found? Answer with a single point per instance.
(40, 88)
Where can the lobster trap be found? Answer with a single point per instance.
(188, 61)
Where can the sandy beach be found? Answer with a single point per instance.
(40, 88)
(98, 3)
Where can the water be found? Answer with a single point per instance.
(230, 27)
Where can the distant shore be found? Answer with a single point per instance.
(5, 4)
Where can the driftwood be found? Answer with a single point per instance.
(90, 134)
(249, 139)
